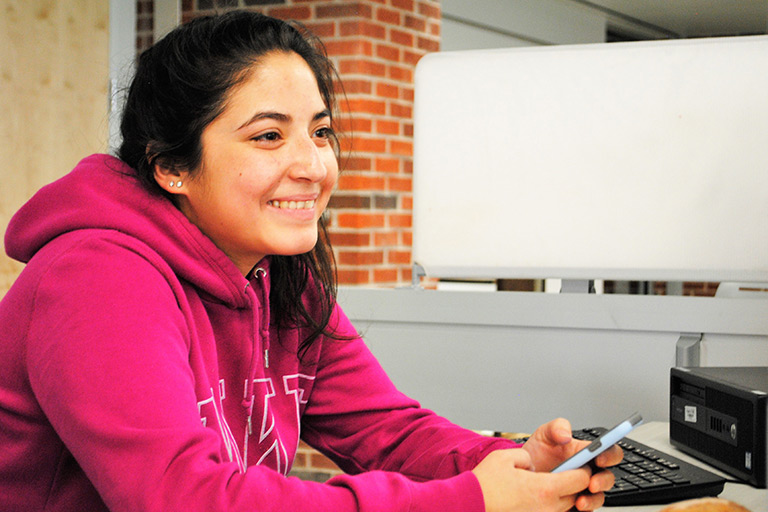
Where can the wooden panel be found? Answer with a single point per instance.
(54, 76)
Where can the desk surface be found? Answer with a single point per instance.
(656, 435)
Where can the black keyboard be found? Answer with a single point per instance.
(649, 476)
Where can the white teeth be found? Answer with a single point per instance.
(293, 205)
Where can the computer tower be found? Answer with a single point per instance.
(719, 415)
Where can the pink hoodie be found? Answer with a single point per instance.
(138, 374)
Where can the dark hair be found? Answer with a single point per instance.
(180, 86)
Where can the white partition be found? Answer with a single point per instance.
(509, 361)
(637, 161)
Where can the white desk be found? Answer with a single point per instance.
(656, 435)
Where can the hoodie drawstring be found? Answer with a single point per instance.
(263, 305)
(264, 324)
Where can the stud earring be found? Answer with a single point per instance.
(171, 184)
(178, 184)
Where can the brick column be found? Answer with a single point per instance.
(375, 45)
(145, 24)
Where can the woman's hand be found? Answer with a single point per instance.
(552, 443)
(509, 485)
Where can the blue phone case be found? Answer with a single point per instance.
(600, 444)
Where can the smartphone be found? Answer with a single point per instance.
(602, 443)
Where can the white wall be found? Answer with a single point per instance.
(510, 23)
(122, 53)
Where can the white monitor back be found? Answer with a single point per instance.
(637, 161)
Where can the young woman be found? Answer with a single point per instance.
(175, 330)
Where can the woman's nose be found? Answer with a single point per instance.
(306, 161)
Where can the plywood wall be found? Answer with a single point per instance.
(54, 76)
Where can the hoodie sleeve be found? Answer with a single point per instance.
(108, 361)
(358, 418)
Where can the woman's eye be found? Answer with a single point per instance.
(269, 136)
(324, 133)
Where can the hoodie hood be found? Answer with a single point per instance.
(102, 192)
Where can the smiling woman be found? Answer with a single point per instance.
(175, 331)
(254, 173)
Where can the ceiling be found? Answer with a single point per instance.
(687, 18)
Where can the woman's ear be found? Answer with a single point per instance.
(168, 177)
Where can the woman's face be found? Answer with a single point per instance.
(268, 165)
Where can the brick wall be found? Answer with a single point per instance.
(310, 464)
(144, 24)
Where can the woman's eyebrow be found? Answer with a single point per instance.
(322, 114)
(283, 118)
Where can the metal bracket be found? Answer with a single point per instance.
(688, 350)
(577, 286)
(417, 273)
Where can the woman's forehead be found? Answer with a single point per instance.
(280, 85)
(277, 75)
